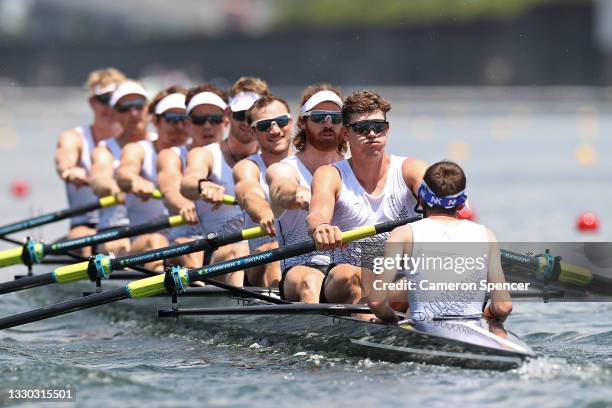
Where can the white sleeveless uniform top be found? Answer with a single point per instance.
(227, 218)
(356, 208)
(83, 195)
(184, 231)
(443, 240)
(291, 226)
(141, 211)
(248, 222)
(115, 216)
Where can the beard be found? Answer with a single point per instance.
(325, 140)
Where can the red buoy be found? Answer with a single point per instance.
(587, 222)
(20, 188)
(466, 213)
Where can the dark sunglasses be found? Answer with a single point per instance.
(264, 125)
(199, 120)
(137, 104)
(240, 116)
(173, 117)
(366, 126)
(103, 98)
(321, 116)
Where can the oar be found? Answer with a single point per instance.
(548, 269)
(101, 266)
(44, 219)
(33, 252)
(156, 285)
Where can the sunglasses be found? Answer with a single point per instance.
(264, 125)
(199, 120)
(321, 116)
(103, 98)
(240, 116)
(173, 117)
(137, 104)
(366, 126)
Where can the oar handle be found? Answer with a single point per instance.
(229, 200)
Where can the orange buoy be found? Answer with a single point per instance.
(587, 222)
(20, 188)
(466, 213)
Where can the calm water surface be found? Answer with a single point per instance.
(520, 152)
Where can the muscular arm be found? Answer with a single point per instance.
(128, 172)
(199, 166)
(102, 179)
(251, 196)
(413, 171)
(67, 154)
(169, 173)
(284, 183)
(501, 304)
(325, 188)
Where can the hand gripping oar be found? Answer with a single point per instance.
(44, 219)
(546, 268)
(156, 285)
(33, 252)
(101, 266)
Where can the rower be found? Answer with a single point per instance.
(266, 117)
(318, 142)
(137, 171)
(75, 146)
(171, 164)
(370, 187)
(208, 175)
(129, 103)
(441, 195)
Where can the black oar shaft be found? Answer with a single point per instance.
(204, 244)
(26, 283)
(106, 236)
(48, 218)
(64, 307)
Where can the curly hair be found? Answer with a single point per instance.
(363, 102)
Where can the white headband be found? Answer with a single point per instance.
(321, 96)
(206, 98)
(243, 101)
(101, 90)
(127, 88)
(175, 100)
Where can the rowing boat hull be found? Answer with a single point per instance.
(328, 332)
(377, 341)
